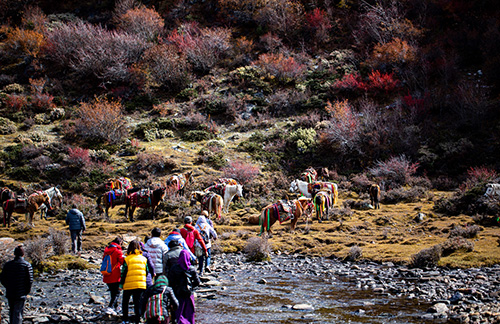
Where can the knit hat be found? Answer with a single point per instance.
(188, 220)
(161, 281)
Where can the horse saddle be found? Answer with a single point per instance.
(285, 208)
(226, 181)
(126, 183)
(21, 203)
(205, 200)
(217, 188)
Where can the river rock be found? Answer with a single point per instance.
(262, 281)
(439, 308)
(302, 307)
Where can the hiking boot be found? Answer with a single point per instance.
(207, 270)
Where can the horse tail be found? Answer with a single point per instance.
(262, 220)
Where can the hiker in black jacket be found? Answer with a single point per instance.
(17, 278)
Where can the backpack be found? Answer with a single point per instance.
(106, 265)
(154, 307)
(204, 234)
(189, 238)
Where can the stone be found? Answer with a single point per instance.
(262, 281)
(302, 307)
(96, 299)
(439, 308)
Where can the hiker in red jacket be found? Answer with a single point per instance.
(114, 249)
(190, 234)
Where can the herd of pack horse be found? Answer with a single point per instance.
(316, 194)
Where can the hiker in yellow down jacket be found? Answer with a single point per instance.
(133, 279)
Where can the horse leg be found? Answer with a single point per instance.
(131, 213)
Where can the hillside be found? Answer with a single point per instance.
(399, 93)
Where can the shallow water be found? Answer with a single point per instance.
(335, 299)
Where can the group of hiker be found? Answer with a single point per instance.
(159, 274)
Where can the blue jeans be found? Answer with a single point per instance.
(206, 260)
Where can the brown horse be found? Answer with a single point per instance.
(277, 212)
(176, 183)
(323, 201)
(210, 201)
(144, 198)
(6, 194)
(375, 195)
(26, 206)
(109, 200)
(309, 175)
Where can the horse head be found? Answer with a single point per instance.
(46, 200)
(293, 186)
(196, 196)
(239, 190)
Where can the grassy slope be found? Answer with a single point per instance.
(395, 239)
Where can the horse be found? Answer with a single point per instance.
(109, 200)
(272, 213)
(53, 193)
(177, 182)
(144, 198)
(226, 181)
(6, 194)
(324, 174)
(227, 192)
(492, 190)
(210, 201)
(374, 191)
(121, 183)
(310, 189)
(323, 201)
(26, 206)
(309, 175)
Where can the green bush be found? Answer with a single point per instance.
(25, 172)
(197, 135)
(304, 139)
(7, 126)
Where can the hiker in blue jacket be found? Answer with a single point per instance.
(76, 223)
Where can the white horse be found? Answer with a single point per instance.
(302, 187)
(492, 190)
(229, 193)
(53, 193)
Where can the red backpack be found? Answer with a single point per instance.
(189, 238)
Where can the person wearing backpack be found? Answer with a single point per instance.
(183, 278)
(191, 234)
(133, 279)
(175, 235)
(156, 248)
(206, 232)
(113, 253)
(157, 300)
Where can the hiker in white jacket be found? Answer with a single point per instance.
(156, 248)
(207, 232)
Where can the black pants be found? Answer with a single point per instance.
(136, 296)
(114, 291)
(16, 308)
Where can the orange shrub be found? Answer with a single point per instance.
(144, 22)
(396, 51)
(22, 42)
(101, 121)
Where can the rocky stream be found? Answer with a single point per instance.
(291, 289)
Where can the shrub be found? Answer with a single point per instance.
(204, 48)
(350, 82)
(143, 22)
(282, 17)
(22, 42)
(7, 126)
(426, 257)
(59, 241)
(41, 163)
(355, 253)
(154, 163)
(394, 52)
(283, 69)
(78, 157)
(444, 183)
(456, 243)
(16, 102)
(382, 82)
(478, 177)
(93, 50)
(212, 155)
(257, 249)
(407, 195)
(396, 171)
(304, 139)
(37, 250)
(466, 232)
(360, 182)
(343, 128)
(167, 66)
(197, 135)
(101, 121)
(241, 171)
(319, 25)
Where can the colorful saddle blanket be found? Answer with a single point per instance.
(284, 210)
(142, 198)
(126, 183)
(310, 175)
(219, 189)
(314, 187)
(226, 181)
(207, 200)
(115, 195)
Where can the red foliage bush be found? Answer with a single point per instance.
(101, 121)
(383, 82)
(78, 157)
(284, 69)
(478, 176)
(349, 82)
(319, 24)
(205, 47)
(15, 102)
(41, 102)
(241, 171)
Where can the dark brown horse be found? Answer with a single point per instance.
(176, 183)
(109, 200)
(6, 194)
(375, 195)
(323, 201)
(275, 212)
(210, 201)
(144, 198)
(26, 206)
